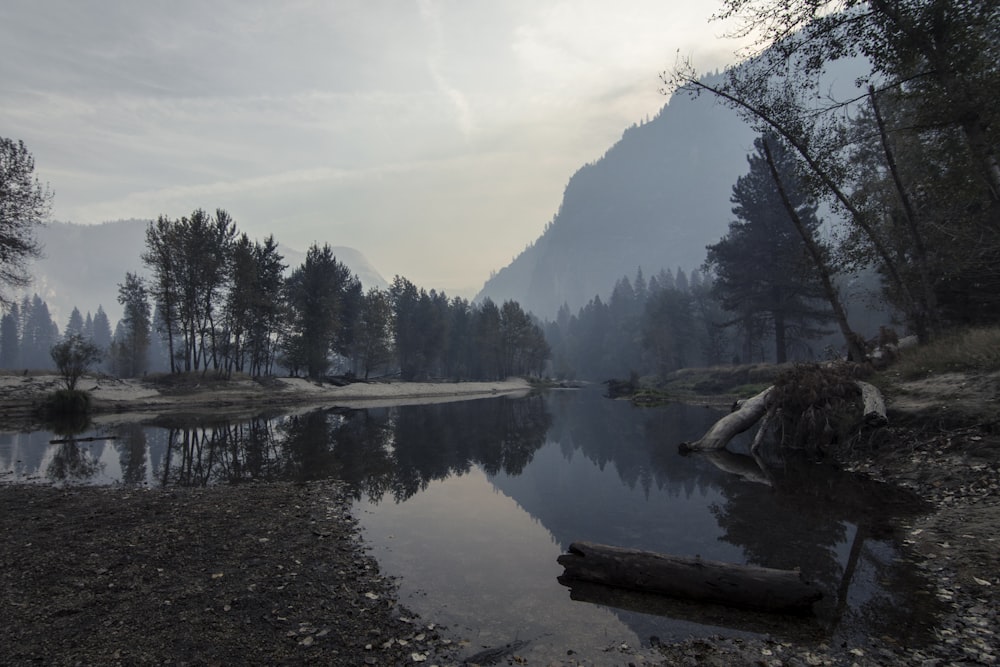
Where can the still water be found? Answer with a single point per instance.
(470, 503)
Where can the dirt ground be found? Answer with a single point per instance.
(243, 575)
(277, 573)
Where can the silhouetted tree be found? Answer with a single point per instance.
(101, 336)
(38, 335)
(75, 324)
(319, 295)
(762, 271)
(10, 338)
(668, 329)
(253, 305)
(135, 328)
(374, 339)
(73, 357)
(24, 206)
(189, 261)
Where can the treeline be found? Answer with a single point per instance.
(658, 326)
(216, 301)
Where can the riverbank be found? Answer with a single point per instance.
(257, 574)
(942, 442)
(78, 564)
(116, 399)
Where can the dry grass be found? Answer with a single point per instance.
(970, 350)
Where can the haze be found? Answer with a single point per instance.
(435, 137)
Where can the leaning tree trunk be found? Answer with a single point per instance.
(724, 430)
(855, 344)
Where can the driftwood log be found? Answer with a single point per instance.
(744, 586)
(760, 407)
(745, 416)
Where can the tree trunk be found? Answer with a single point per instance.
(873, 404)
(855, 348)
(744, 586)
(724, 430)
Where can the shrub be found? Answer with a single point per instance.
(67, 402)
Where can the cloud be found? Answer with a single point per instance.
(411, 130)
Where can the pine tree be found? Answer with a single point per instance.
(75, 324)
(135, 327)
(10, 338)
(763, 275)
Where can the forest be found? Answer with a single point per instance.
(216, 302)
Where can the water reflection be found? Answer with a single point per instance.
(469, 503)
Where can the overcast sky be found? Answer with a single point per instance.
(434, 136)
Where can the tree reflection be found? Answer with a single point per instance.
(435, 441)
(395, 451)
(131, 446)
(824, 521)
(71, 462)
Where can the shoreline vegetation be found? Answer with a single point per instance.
(277, 573)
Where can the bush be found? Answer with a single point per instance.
(67, 402)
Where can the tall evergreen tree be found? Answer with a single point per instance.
(10, 338)
(102, 331)
(668, 332)
(38, 336)
(135, 327)
(374, 341)
(319, 295)
(74, 325)
(762, 271)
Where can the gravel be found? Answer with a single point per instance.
(251, 575)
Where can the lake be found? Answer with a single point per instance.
(468, 504)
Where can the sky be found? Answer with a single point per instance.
(435, 136)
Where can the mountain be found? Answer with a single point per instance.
(83, 264)
(654, 200)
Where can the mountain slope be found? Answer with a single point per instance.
(654, 200)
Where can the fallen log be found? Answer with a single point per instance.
(92, 438)
(761, 408)
(744, 586)
(727, 428)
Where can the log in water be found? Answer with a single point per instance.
(693, 578)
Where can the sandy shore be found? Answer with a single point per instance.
(20, 395)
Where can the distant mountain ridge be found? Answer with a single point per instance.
(654, 200)
(83, 264)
